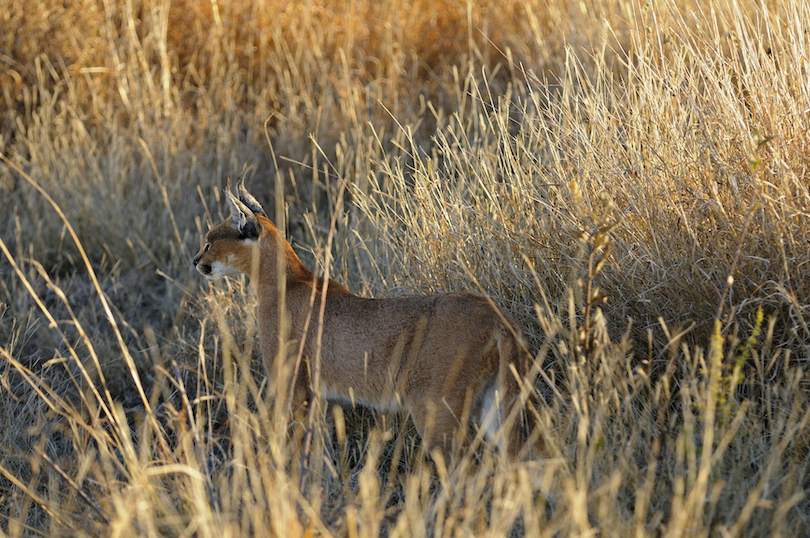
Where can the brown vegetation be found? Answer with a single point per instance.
(630, 181)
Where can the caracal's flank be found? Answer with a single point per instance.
(442, 358)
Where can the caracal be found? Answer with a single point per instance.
(441, 358)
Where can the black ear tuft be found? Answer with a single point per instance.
(243, 218)
(246, 198)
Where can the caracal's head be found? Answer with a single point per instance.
(230, 246)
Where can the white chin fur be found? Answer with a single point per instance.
(219, 269)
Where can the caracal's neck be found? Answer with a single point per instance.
(270, 247)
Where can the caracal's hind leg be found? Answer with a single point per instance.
(439, 426)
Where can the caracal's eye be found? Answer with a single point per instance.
(207, 247)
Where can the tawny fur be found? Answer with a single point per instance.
(438, 357)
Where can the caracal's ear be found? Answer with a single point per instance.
(246, 198)
(243, 219)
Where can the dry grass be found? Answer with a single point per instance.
(629, 180)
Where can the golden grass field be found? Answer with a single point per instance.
(630, 180)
